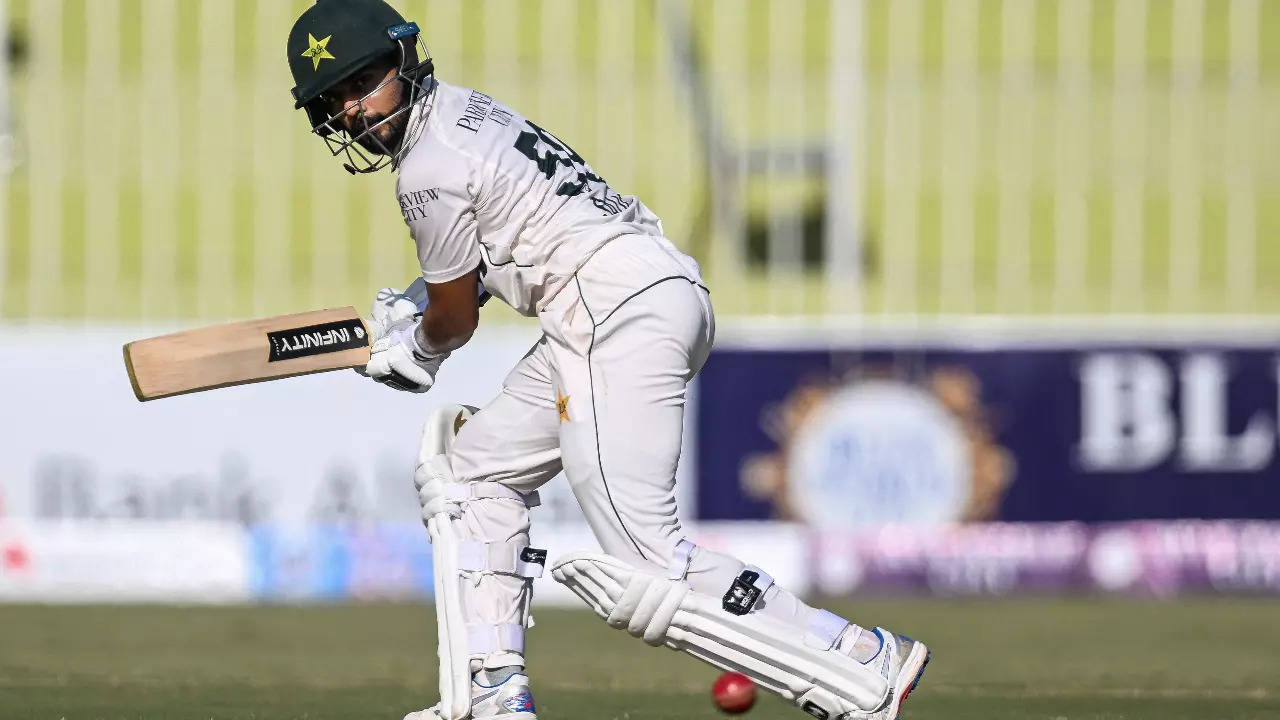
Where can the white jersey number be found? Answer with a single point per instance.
(534, 140)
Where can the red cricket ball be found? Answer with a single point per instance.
(734, 693)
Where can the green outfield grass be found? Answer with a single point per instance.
(1054, 659)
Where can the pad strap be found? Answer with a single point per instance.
(825, 628)
(506, 558)
(680, 557)
(502, 637)
(462, 492)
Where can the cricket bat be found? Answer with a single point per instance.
(246, 352)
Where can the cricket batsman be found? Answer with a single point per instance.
(500, 207)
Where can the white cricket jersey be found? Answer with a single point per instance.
(482, 186)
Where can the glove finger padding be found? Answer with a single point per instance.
(398, 362)
(396, 381)
(405, 375)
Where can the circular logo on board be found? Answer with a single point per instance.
(880, 452)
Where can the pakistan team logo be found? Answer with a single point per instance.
(318, 50)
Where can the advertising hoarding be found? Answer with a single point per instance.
(926, 431)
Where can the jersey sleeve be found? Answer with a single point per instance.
(439, 211)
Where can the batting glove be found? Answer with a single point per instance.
(393, 309)
(398, 361)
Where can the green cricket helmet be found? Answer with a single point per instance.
(334, 39)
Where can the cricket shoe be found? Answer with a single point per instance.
(508, 699)
(901, 661)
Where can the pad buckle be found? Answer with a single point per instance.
(812, 708)
(743, 593)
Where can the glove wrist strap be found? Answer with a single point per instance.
(423, 354)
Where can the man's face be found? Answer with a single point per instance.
(366, 99)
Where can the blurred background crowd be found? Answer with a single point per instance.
(996, 281)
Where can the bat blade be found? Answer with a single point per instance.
(246, 352)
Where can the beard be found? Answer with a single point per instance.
(380, 135)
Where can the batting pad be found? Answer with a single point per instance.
(454, 640)
(461, 561)
(454, 645)
(798, 664)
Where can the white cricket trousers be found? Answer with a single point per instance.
(601, 395)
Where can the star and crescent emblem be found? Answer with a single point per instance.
(318, 50)
(562, 406)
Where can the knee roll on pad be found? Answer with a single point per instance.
(801, 665)
(442, 427)
(439, 493)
